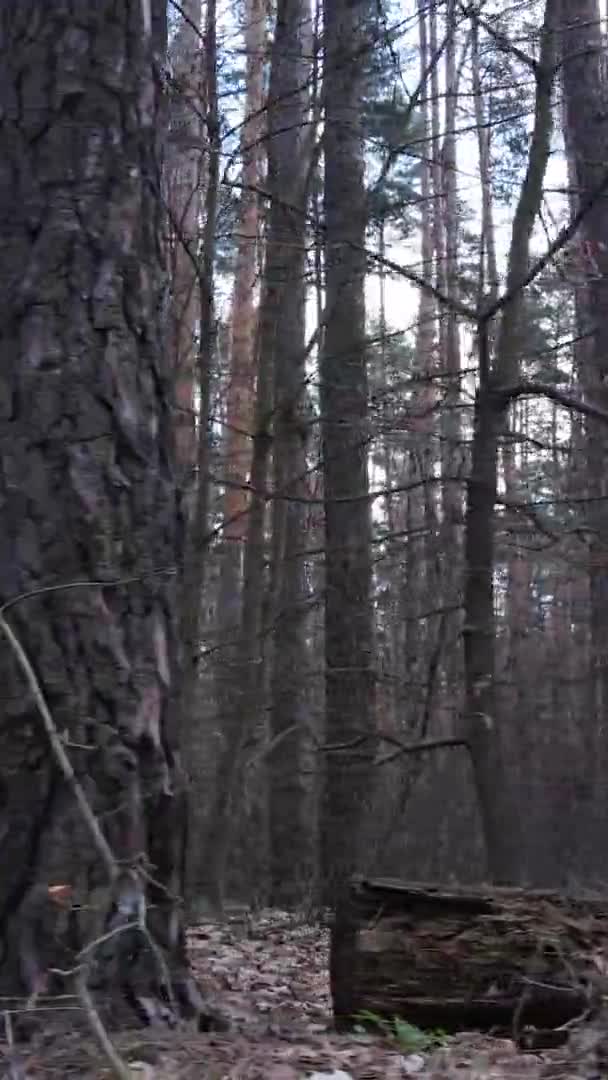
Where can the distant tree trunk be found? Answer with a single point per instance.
(586, 130)
(192, 734)
(241, 382)
(344, 403)
(185, 174)
(422, 509)
(231, 678)
(292, 847)
(451, 493)
(488, 263)
(89, 495)
(245, 703)
(483, 719)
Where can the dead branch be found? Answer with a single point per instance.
(61, 757)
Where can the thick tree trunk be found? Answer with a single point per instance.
(459, 959)
(344, 402)
(88, 497)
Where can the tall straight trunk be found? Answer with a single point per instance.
(425, 330)
(451, 498)
(488, 277)
(245, 702)
(184, 173)
(196, 526)
(241, 383)
(291, 833)
(238, 442)
(349, 685)
(583, 51)
(88, 495)
(438, 180)
(483, 719)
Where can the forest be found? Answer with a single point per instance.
(304, 557)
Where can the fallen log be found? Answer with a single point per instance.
(461, 959)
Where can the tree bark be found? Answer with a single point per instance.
(461, 959)
(195, 552)
(89, 497)
(291, 814)
(344, 402)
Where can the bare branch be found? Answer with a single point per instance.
(532, 388)
(62, 759)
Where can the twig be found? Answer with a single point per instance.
(105, 852)
(58, 749)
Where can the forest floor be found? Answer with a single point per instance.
(268, 975)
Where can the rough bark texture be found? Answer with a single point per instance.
(291, 811)
(344, 403)
(86, 488)
(460, 959)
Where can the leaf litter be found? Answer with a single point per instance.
(267, 976)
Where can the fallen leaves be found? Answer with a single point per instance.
(268, 976)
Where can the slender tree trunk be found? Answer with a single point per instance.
(230, 678)
(483, 718)
(195, 549)
(184, 181)
(344, 403)
(451, 496)
(89, 495)
(488, 262)
(241, 383)
(291, 833)
(246, 701)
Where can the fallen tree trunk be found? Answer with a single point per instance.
(459, 959)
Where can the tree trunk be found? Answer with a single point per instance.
(239, 435)
(344, 402)
(241, 384)
(448, 278)
(184, 173)
(89, 497)
(586, 131)
(483, 720)
(193, 739)
(246, 702)
(291, 816)
(459, 959)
